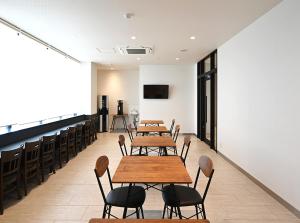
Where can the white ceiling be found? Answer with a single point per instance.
(78, 27)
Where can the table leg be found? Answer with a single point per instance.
(112, 127)
(124, 122)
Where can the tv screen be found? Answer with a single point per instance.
(156, 91)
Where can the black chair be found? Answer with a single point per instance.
(130, 132)
(86, 133)
(124, 149)
(71, 142)
(78, 138)
(172, 126)
(10, 173)
(47, 155)
(185, 148)
(174, 137)
(62, 147)
(92, 130)
(31, 163)
(176, 196)
(118, 197)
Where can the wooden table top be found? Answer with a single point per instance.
(152, 122)
(100, 220)
(153, 141)
(145, 129)
(151, 169)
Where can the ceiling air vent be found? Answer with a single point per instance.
(126, 50)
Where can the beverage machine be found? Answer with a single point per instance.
(103, 112)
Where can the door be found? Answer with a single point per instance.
(207, 119)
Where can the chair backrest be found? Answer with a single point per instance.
(48, 145)
(78, 131)
(71, 134)
(172, 126)
(207, 168)
(175, 135)
(10, 163)
(185, 147)
(31, 152)
(100, 168)
(122, 145)
(130, 130)
(87, 126)
(63, 139)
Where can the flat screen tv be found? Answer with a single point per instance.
(156, 91)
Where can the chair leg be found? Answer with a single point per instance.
(179, 212)
(196, 207)
(124, 213)
(109, 210)
(203, 211)
(137, 213)
(164, 211)
(171, 212)
(25, 184)
(142, 212)
(1, 201)
(104, 211)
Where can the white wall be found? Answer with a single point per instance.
(89, 88)
(119, 85)
(258, 100)
(180, 104)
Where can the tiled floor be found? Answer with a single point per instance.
(72, 194)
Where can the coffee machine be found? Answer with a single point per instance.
(120, 107)
(103, 112)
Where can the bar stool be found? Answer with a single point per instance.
(10, 173)
(78, 137)
(62, 148)
(31, 163)
(47, 154)
(71, 141)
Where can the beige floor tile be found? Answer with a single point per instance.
(72, 194)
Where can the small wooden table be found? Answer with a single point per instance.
(123, 117)
(148, 129)
(100, 220)
(151, 169)
(152, 122)
(153, 141)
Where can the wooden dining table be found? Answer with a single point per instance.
(149, 129)
(151, 170)
(153, 141)
(100, 220)
(152, 122)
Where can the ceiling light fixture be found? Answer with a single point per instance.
(138, 58)
(192, 37)
(133, 37)
(177, 58)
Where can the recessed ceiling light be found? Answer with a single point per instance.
(192, 37)
(133, 37)
(177, 58)
(138, 58)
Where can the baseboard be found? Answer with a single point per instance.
(290, 207)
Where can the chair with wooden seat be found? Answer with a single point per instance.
(174, 137)
(130, 132)
(78, 138)
(47, 155)
(62, 147)
(10, 173)
(124, 149)
(118, 197)
(71, 142)
(177, 196)
(185, 148)
(31, 163)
